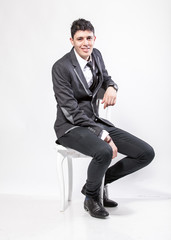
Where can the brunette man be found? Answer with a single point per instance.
(77, 78)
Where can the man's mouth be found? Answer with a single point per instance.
(85, 49)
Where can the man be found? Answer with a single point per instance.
(77, 78)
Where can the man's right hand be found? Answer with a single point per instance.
(114, 148)
(109, 140)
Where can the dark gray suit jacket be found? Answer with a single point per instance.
(76, 104)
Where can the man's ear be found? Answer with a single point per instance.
(72, 41)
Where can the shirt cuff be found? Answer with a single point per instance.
(104, 134)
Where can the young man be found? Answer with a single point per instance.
(77, 78)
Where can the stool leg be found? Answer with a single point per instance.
(70, 178)
(106, 190)
(60, 170)
(102, 191)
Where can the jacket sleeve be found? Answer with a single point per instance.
(67, 102)
(107, 80)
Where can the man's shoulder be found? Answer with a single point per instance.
(63, 61)
(97, 52)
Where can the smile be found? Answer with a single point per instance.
(85, 49)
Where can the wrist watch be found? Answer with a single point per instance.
(115, 86)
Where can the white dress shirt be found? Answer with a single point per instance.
(89, 78)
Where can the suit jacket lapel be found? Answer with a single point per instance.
(97, 60)
(79, 72)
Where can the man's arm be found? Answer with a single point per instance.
(107, 80)
(109, 85)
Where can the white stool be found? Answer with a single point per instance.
(66, 155)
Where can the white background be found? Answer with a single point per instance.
(134, 37)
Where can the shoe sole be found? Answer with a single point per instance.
(112, 206)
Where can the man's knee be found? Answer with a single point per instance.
(104, 155)
(148, 155)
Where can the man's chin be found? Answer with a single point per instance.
(86, 55)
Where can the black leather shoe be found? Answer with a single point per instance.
(95, 208)
(106, 202)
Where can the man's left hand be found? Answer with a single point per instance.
(109, 98)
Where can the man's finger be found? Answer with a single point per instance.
(103, 100)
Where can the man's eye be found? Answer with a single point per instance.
(89, 38)
(79, 39)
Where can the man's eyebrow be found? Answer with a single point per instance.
(85, 37)
(79, 37)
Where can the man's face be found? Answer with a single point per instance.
(83, 43)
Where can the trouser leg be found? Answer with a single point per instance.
(86, 142)
(138, 154)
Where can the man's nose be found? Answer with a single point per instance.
(85, 42)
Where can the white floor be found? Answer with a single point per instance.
(31, 218)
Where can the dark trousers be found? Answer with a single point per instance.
(138, 155)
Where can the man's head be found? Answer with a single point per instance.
(81, 24)
(82, 37)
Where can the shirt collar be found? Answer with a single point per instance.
(82, 61)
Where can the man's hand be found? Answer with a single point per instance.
(114, 148)
(109, 98)
(109, 140)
